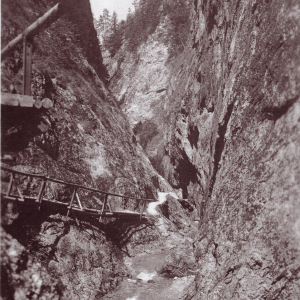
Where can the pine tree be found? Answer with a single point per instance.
(114, 22)
(114, 35)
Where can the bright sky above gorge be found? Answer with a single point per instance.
(119, 6)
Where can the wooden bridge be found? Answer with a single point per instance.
(73, 205)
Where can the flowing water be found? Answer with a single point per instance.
(145, 283)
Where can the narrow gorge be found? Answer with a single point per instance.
(192, 104)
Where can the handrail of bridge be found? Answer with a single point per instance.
(73, 184)
(44, 178)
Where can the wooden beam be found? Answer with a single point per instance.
(41, 192)
(103, 207)
(50, 16)
(10, 185)
(24, 101)
(78, 200)
(17, 100)
(71, 202)
(27, 65)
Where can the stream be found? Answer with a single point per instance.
(145, 283)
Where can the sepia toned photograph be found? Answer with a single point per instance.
(150, 150)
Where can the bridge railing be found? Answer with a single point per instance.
(75, 194)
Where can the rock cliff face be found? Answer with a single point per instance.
(88, 142)
(139, 81)
(231, 143)
(220, 121)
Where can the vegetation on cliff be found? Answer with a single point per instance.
(143, 22)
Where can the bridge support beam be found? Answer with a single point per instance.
(78, 200)
(103, 207)
(41, 192)
(10, 185)
(143, 208)
(71, 202)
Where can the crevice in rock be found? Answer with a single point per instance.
(186, 172)
(184, 111)
(211, 18)
(202, 104)
(274, 113)
(214, 253)
(195, 4)
(198, 77)
(219, 147)
(195, 45)
(288, 279)
(193, 135)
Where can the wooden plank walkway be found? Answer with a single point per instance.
(74, 204)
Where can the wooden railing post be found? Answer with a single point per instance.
(10, 185)
(103, 207)
(79, 202)
(143, 208)
(27, 65)
(41, 192)
(71, 202)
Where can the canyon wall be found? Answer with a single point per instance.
(139, 81)
(231, 143)
(241, 94)
(84, 138)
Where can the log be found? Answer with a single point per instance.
(47, 103)
(50, 16)
(25, 101)
(17, 100)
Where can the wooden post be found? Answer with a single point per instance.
(27, 65)
(10, 185)
(20, 194)
(78, 200)
(109, 207)
(49, 17)
(103, 207)
(71, 202)
(41, 192)
(143, 208)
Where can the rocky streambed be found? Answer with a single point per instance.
(145, 282)
(164, 266)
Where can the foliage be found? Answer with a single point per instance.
(113, 41)
(178, 14)
(143, 22)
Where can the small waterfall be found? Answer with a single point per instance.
(162, 197)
